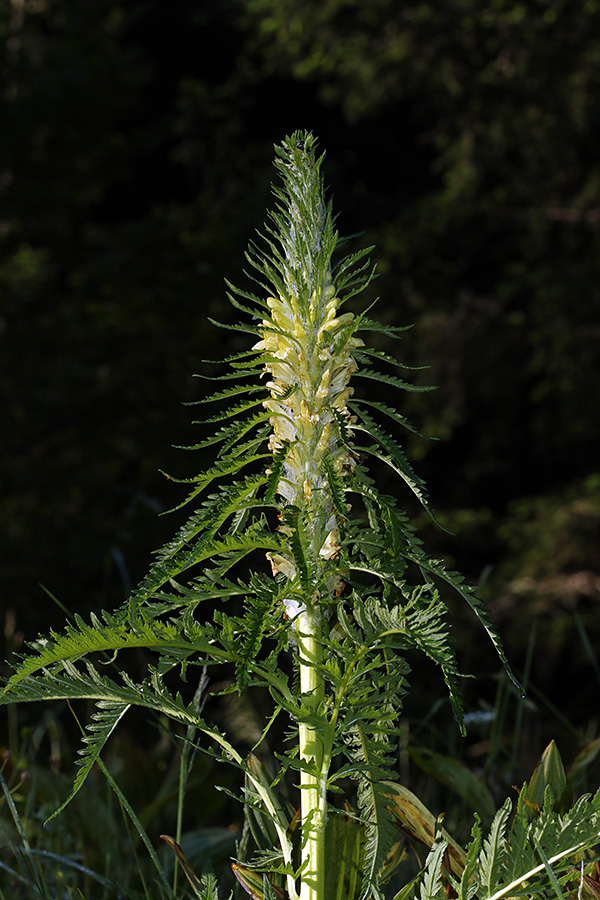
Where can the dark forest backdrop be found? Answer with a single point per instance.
(463, 139)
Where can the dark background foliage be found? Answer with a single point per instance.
(135, 161)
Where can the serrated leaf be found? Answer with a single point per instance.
(275, 471)
(356, 403)
(234, 411)
(368, 353)
(391, 380)
(293, 521)
(336, 487)
(396, 459)
(229, 392)
(103, 723)
(432, 885)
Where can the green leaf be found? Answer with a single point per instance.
(229, 465)
(549, 772)
(247, 295)
(255, 623)
(455, 775)
(229, 392)
(204, 888)
(356, 403)
(395, 458)
(231, 434)
(393, 331)
(263, 822)
(337, 488)
(104, 721)
(373, 375)
(419, 824)
(432, 885)
(275, 471)
(455, 580)
(139, 829)
(249, 329)
(194, 538)
(256, 885)
(494, 854)
(367, 353)
(292, 519)
(234, 411)
(584, 757)
(344, 851)
(468, 883)
(108, 636)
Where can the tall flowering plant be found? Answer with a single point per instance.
(326, 624)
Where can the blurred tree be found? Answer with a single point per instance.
(486, 210)
(111, 259)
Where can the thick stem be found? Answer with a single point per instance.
(313, 784)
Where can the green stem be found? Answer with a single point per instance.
(313, 784)
(185, 764)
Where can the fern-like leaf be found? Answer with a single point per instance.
(395, 458)
(467, 887)
(357, 403)
(256, 622)
(493, 856)
(391, 380)
(337, 488)
(410, 550)
(432, 885)
(103, 722)
(109, 637)
(509, 863)
(393, 331)
(380, 825)
(367, 353)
